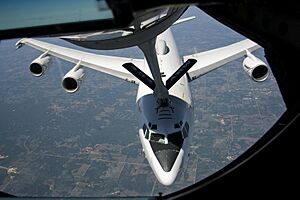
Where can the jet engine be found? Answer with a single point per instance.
(72, 80)
(39, 65)
(255, 68)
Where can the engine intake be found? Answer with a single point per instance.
(73, 79)
(255, 68)
(39, 65)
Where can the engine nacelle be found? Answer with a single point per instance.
(73, 79)
(39, 65)
(255, 68)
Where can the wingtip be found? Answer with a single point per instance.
(20, 43)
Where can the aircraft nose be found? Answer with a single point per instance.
(167, 158)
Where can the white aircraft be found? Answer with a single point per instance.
(164, 101)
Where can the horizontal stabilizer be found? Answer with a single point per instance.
(180, 72)
(139, 75)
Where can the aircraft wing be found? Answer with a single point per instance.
(213, 59)
(107, 64)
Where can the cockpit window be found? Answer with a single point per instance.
(187, 126)
(144, 128)
(157, 137)
(176, 138)
(146, 132)
(185, 130)
(154, 127)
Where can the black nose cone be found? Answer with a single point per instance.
(166, 158)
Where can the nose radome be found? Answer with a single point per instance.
(167, 179)
(167, 158)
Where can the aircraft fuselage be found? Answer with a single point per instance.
(164, 130)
